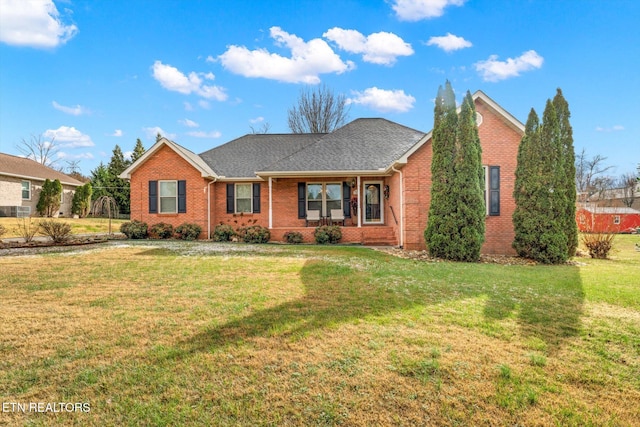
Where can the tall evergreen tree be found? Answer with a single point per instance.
(119, 188)
(138, 151)
(49, 201)
(567, 184)
(540, 191)
(439, 227)
(467, 220)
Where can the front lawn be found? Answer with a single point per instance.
(196, 333)
(78, 225)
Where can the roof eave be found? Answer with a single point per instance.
(37, 178)
(315, 174)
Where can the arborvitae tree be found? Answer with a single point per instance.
(49, 201)
(540, 196)
(100, 181)
(81, 204)
(467, 220)
(138, 151)
(119, 188)
(567, 185)
(439, 227)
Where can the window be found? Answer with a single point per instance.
(372, 202)
(168, 196)
(324, 196)
(616, 219)
(26, 190)
(492, 190)
(243, 198)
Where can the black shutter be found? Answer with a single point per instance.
(230, 198)
(256, 197)
(182, 196)
(494, 190)
(346, 199)
(302, 200)
(153, 196)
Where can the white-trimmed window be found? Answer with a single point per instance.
(244, 198)
(373, 202)
(26, 190)
(324, 196)
(616, 219)
(168, 196)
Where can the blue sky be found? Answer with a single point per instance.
(94, 74)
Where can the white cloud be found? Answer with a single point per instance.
(174, 80)
(308, 60)
(127, 155)
(67, 156)
(188, 123)
(493, 70)
(416, 10)
(152, 132)
(256, 120)
(69, 137)
(378, 48)
(383, 100)
(78, 110)
(33, 23)
(204, 104)
(188, 106)
(449, 43)
(117, 132)
(210, 59)
(615, 128)
(202, 134)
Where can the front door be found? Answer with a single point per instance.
(373, 203)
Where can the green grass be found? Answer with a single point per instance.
(171, 333)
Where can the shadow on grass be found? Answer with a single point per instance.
(546, 301)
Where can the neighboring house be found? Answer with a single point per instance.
(374, 172)
(599, 219)
(21, 181)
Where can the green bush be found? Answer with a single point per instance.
(58, 231)
(254, 234)
(222, 233)
(161, 230)
(327, 234)
(293, 237)
(188, 231)
(134, 229)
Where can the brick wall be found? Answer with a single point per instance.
(165, 164)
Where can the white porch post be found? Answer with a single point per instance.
(359, 203)
(270, 204)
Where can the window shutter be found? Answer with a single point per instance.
(153, 196)
(346, 199)
(230, 198)
(494, 190)
(256, 197)
(182, 196)
(302, 200)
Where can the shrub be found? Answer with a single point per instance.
(58, 231)
(598, 244)
(188, 231)
(254, 234)
(27, 229)
(3, 230)
(327, 234)
(293, 237)
(134, 229)
(222, 233)
(161, 230)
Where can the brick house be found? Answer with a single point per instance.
(21, 181)
(371, 176)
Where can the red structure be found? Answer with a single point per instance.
(597, 219)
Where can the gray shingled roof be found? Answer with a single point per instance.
(242, 157)
(362, 145)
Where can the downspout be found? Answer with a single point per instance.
(270, 204)
(393, 168)
(359, 203)
(209, 207)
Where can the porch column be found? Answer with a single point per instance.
(270, 204)
(359, 203)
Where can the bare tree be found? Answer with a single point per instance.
(627, 183)
(318, 110)
(588, 170)
(39, 149)
(265, 128)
